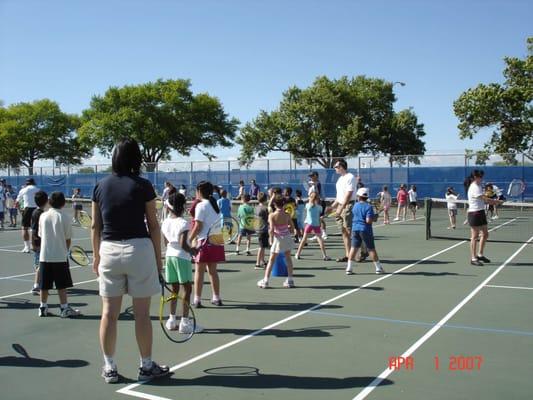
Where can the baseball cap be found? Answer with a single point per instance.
(314, 173)
(30, 181)
(362, 192)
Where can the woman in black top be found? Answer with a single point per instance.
(127, 255)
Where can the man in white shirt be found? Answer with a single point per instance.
(27, 195)
(344, 201)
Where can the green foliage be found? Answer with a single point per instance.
(506, 108)
(331, 118)
(162, 116)
(86, 170)
(39, 131)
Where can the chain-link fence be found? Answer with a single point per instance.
(431, 173)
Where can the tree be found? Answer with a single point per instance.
(39, 131)
(506, 108)
(403, 137)
(86, 170)
(162, 116)
(331, 118)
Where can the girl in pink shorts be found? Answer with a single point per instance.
(312, 224)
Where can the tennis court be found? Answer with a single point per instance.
(432, 327)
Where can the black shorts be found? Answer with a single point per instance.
(57, 273)
(477, 218)
(412, 204)
(324, 205)
(295, 223)
(264, 240)
(26, 216)
(78, 207)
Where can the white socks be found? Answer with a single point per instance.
(146, 362)
(109, 362)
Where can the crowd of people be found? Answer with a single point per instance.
(127, 249)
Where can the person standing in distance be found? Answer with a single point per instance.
(27, 196)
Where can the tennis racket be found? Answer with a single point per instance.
(158, 204)
(516, 188)
(229, 229)
(254, 223)
(79, 256)
(221, 232)
(85, 220)
(290, 208)
(185, 318)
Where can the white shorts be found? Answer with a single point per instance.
(282, 244)
(128, 266)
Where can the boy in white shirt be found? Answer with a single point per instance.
(55, 231)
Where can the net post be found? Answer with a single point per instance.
(427, 207)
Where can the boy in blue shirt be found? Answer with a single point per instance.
(363, 218)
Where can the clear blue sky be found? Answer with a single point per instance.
(248, 52)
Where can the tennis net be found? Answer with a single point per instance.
(510, 222)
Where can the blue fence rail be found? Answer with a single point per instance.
(430, 181)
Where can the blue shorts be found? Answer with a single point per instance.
(361, 236)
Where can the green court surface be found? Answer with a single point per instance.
(333, 336)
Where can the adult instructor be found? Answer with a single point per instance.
(127, 255)
(344, 201)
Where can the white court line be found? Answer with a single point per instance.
(510, 287)
(21, 244)
(31, 273)
(376, 382)
(23, 293)
(128, 390)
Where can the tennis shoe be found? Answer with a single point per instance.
(263, 283)
(324, 235)
(312, 239)
(110, 375)
(171, 324)
(217, 302)
(43, 311)
(289, 283)
(298, 257)
(155, 371)
(380, 270)
(186, 326)
(197, 304)
(25, 250)
(248, 253)
(327, 258)
(396, 219)
(483, 259)
(69, 312)
(349, 271)
(35, 290)
(476, 263)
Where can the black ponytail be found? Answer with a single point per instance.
(206, 190)
(177, 204)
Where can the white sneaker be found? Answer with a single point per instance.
(380, 270)
(396, 219)
(297, 256)
(69, 312)
(289, 283)
(171, 324)
(349, 271)
(324, 235)
(312, 239)
(25, 250)
(263, 283)
(186, 325)
(495, 217)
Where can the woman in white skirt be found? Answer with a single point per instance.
(280, 228)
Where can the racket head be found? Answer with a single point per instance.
(516, 188)
(79, 256)
(158, 204)
(230, 229)
(219, 233)
(290, 208)
(183, 332)
(254, 223)
(85, 220)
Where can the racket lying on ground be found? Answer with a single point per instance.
(79, 256)
(183, 310)
(85, 220)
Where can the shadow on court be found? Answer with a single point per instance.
(26, 361)
(343, 287)
(272, 381)
(26, 304)
(313, 331)
(276, 306)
